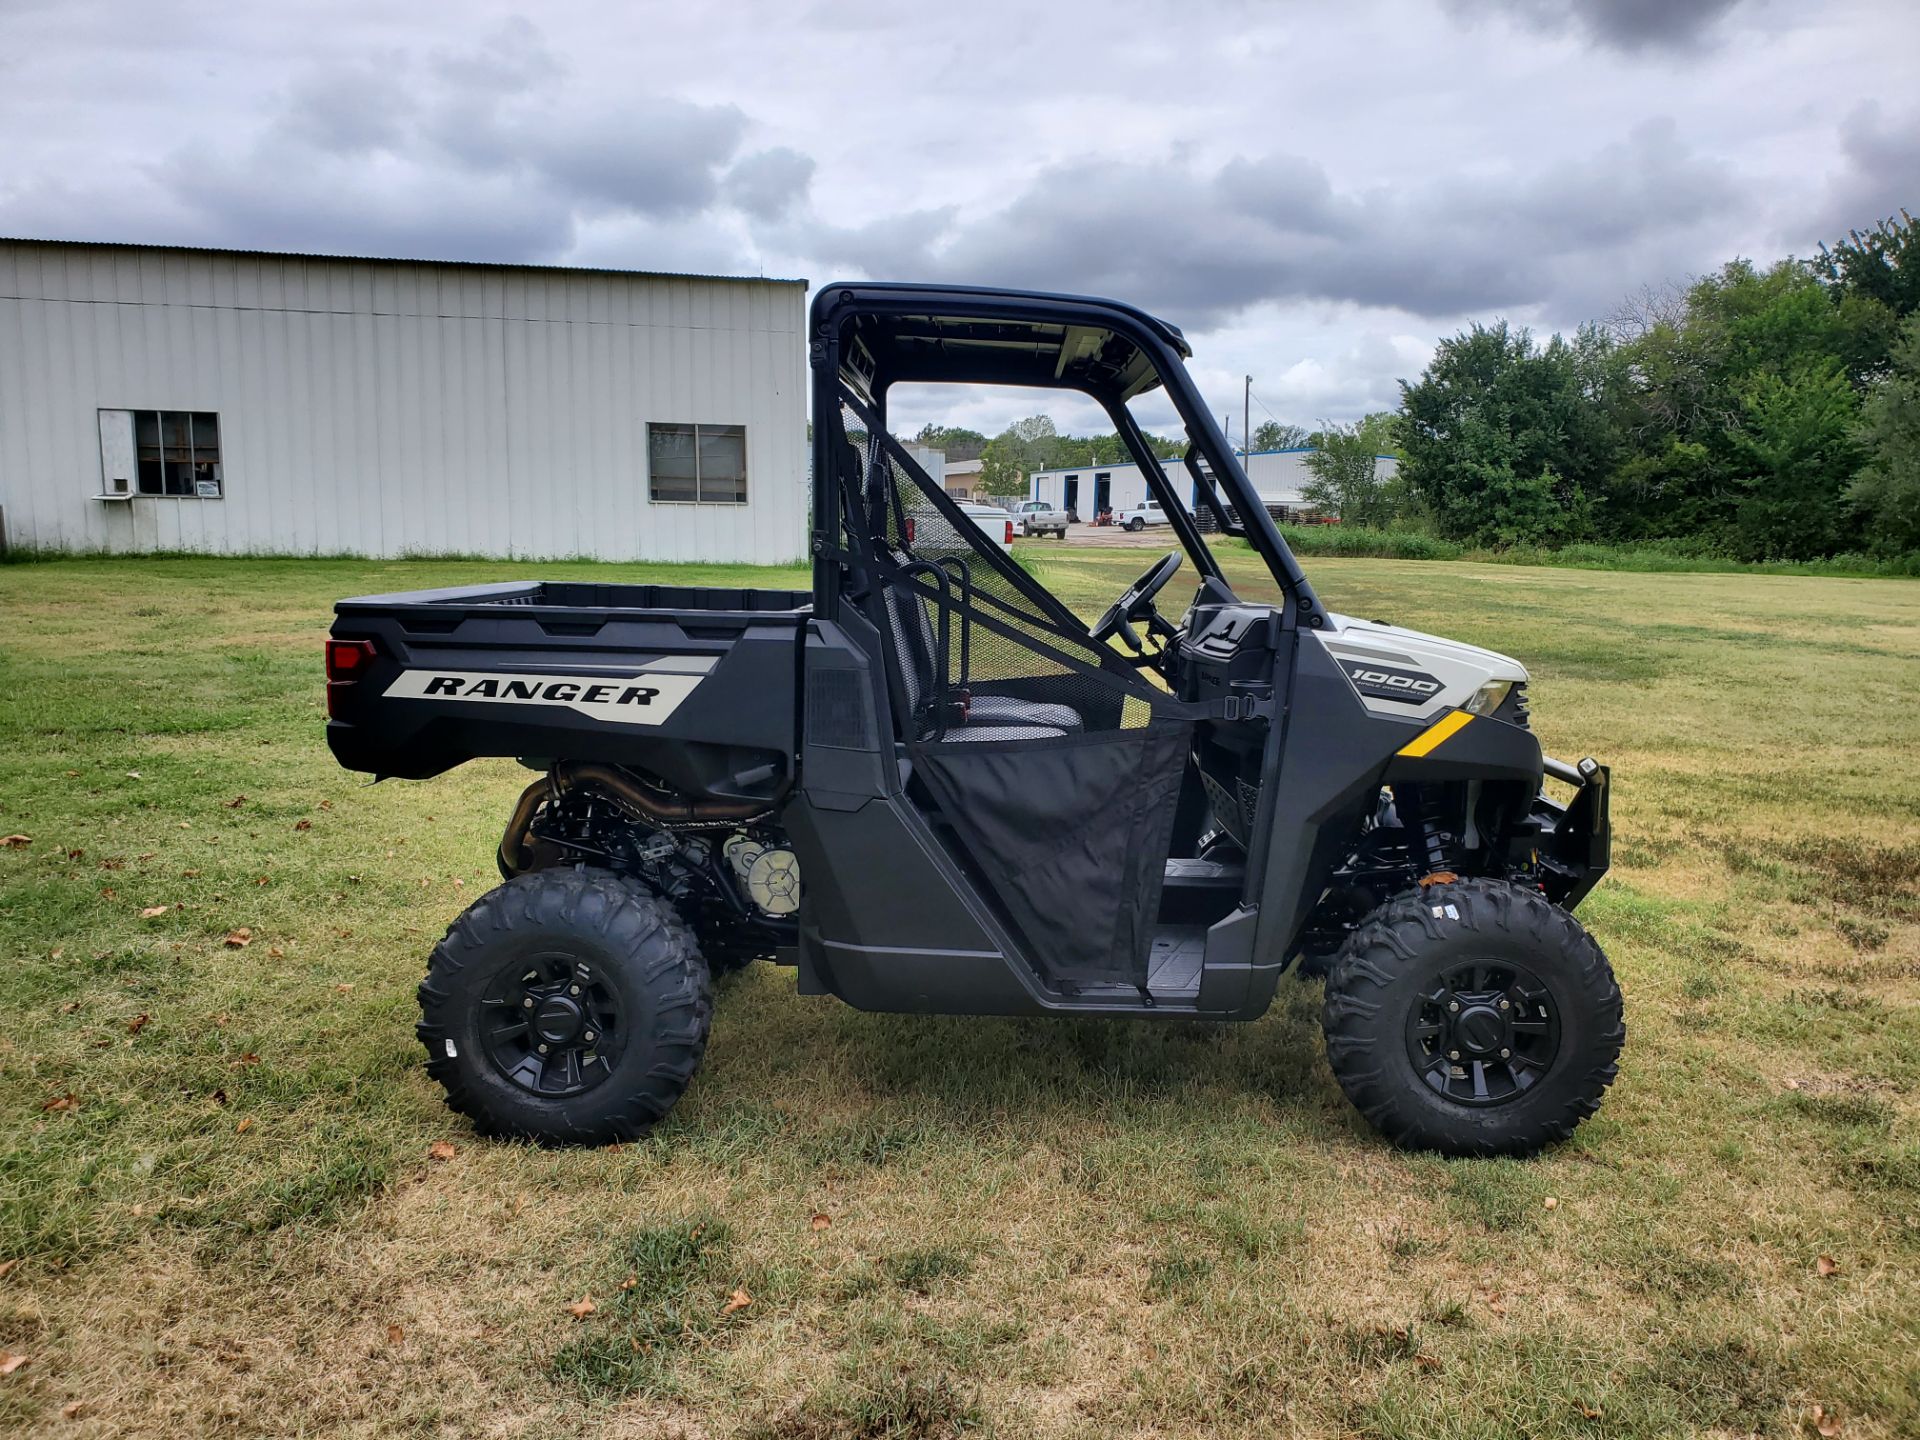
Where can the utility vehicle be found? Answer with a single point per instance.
(930, 786)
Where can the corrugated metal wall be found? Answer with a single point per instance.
(389, 408)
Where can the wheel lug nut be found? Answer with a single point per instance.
(587, 1036)
(1451, 1054)
(1506, 1005)
(1453, 1005)
(1505, 1053)
(575, 990)
(527, 1004)
(543, 1049)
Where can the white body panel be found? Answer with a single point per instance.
(388, 408)
(1363, 649)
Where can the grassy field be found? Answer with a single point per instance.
(231, 1204)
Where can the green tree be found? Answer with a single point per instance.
(956, 441)
(1346, 476)
(1887, 489)
(1274, 435)
(1508, 442)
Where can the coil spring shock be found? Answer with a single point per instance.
(1435, 849)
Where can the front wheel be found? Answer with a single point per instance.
(567, 1006)
(1474, 1018)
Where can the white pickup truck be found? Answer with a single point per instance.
(1037, 517)
(1142, 515)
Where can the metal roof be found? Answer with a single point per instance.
(237, 253)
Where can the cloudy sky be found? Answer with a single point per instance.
(1315, 192)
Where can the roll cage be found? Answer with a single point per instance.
(869, 337)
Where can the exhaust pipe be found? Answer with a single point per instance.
(658, 807)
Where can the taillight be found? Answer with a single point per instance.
(1009, 532)
(347, 661)
(909, 530)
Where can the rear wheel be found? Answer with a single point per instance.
(567, 1006)
(1136, 524)
(1473, 1018)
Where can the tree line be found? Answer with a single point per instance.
(1762, 413)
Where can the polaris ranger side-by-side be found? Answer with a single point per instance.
(931, 787)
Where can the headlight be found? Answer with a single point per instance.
(1487, 698)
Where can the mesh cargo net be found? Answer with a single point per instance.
(1056, 764)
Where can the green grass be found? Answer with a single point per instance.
(1032, 1228)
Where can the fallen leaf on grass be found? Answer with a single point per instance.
(246, 1058)
(9, 1362)
(16, 842)
(344, 988)
(303, 824)
(441, 1150)
(219, 1097)
(1589, 1412)
(395, 1335)
(1551, 1203)
(69, 1007)
(113, 862)
(138, 1023)
(626, 1284)
(238, 939)
(244, 1126)
(1427, 1362)
(6, 1267)
(274, 952)
(1827, 1424)
(1825, 1265)
(153, 912)
(61, 1102)
(76, 854)
(189, 874)
(264, 880)
(739, 1300)
(107, 893)
(236, 802)
(582, 1307)
(820, 1221)
(74, 1410)
(326, 804)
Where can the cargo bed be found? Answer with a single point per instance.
(696, 684)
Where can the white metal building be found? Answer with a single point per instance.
(156, 398)
(1277, 476)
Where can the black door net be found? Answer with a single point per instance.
(1056, 763)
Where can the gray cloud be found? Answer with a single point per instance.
(1881, 174)
(1626, 25)
(1204, 247)
(769, 183)
(482, 152)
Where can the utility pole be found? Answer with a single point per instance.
(1246, 423)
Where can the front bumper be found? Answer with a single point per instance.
(1575, 846)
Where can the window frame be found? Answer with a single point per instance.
(697, 428)
(192, 447)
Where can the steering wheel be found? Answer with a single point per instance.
(1137, 604)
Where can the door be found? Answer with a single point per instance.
(116, 452)
(1072, 505)
(1102, 492)
(1052, 765)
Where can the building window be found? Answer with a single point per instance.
(177, 452)
(697, 464)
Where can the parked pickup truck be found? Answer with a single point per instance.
(1037, 517)
(1142, 515)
